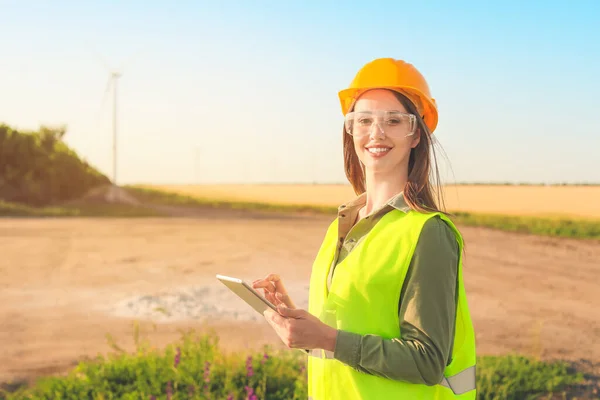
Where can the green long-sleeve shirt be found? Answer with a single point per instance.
(427, 304)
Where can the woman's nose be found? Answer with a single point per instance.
(376, 130)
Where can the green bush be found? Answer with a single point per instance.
(195, 368)
(190, 369)
(38, 168)
(515, 377)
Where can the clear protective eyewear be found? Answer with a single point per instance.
(393, 123)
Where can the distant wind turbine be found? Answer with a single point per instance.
(115, 194)
(112, 83)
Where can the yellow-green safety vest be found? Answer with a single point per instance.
(370, 278)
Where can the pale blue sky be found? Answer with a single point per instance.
(246, 91)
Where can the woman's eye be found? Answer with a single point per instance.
(394, 121)
(365, 121)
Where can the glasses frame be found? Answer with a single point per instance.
(377, 114)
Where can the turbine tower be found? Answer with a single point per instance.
(112, 82)
(115, 194)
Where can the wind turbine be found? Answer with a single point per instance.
(113, 78)
(115, 194)
(113, 83)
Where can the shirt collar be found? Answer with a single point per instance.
(397, 201)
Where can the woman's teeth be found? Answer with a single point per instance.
(377, 150)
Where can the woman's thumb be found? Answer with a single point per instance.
(284, 310)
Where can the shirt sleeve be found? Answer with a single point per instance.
(427, 312)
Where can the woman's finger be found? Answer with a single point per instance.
(281, 296)
(285, 299)
(273, 288)
(277, 282)
(259, 283)
(265, 284)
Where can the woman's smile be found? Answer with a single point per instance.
(378, 151)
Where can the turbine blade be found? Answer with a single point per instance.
(100, 60)
(129, 60)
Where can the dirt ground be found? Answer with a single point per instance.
(61, 279)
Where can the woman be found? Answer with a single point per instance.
(388, 316)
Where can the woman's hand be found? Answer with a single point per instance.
(299, 329)
(274, 290)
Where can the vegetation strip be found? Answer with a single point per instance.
(559, 227)
(195, 368)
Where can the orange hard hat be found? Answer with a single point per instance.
(398, 75)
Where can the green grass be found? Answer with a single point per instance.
(20, 210)
(82, 210)
(116, 210)
(515, 377)
(281, 375)
(571, 228)
(160, 197)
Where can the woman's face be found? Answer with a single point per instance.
(382, 142)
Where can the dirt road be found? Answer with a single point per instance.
(66, 283)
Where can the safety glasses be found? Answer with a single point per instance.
(393, 123)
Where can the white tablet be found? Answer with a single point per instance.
(250, 296)
(247, 293)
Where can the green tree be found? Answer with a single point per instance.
(38, 168)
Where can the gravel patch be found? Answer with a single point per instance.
(202, 303)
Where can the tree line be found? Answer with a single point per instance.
(37, 168)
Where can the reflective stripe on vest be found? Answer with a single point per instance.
(320, 353)
(460, 383)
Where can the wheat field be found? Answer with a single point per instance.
(542, 201)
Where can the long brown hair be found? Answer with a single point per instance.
(423, 190)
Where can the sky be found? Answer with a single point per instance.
(246, 91)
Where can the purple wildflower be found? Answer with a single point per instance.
(230, 397)
(207, 372)
(265, 358)
(152, 397)
(249, 366)
(177, 357)
(251, 395)
(169, 390)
